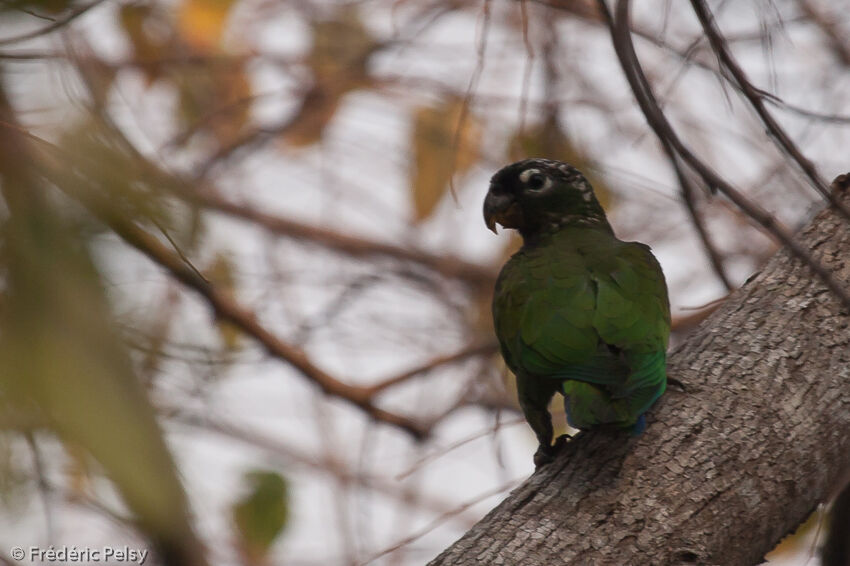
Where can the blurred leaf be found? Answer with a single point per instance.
(338, 60)
(103, 163)
(14, 478)
(77, 468)
(341, 45)
(439, 151)
(157, 328)
(62, 354)
(149, 31)
(261, 515)
(214, 99)
(315, 113)
(99, 77)
(548, 140)
(202, 22)
(214, 96)
(221, 273)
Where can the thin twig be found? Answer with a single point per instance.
(688, 192)
(455, 445)
(481, 50)
(176, 247)
(837, 38)
(355, 246)
(52, 27)
(621, 37)
(529, 66)
(459, 356)
(44, 487)
(756, 98)
(223, 304)
(292, 455)
(442, 519)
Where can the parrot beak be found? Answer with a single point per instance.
(501, 208)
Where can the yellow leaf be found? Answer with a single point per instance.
(202, 22)
(214, 99)
(442, 146)
(317, 109)
(341, 45)
(148, 29)
(77, 469)
(338, 56)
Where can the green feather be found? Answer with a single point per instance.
(576, 310)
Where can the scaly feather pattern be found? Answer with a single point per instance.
(576, 310)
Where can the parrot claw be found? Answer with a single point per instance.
(542, 457)
(545, 454)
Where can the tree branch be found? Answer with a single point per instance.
(225, 306)
(228, 309)
(50, 28)
(830, 28)
(621, 37)
(463, 354)
(354, 246)
(755, 96)
(725, 469)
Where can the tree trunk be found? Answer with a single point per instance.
(726, 468)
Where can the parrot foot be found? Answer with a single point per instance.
(545, 454)
(677, 383)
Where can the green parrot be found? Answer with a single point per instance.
(576, 310)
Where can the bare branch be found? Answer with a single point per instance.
(642, 90)
(227, 308)
(688, 193)
(77, 12)
(354, 246)
(459, 356)
(223, 304)
(837, 38)
(293, 455)
(755, 97)
(726, 468)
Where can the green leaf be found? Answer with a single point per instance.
(64, 362)
(262, 514)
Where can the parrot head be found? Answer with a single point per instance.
(537, 195)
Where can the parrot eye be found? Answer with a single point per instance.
(535, 180)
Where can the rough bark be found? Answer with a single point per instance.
(727, 467)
